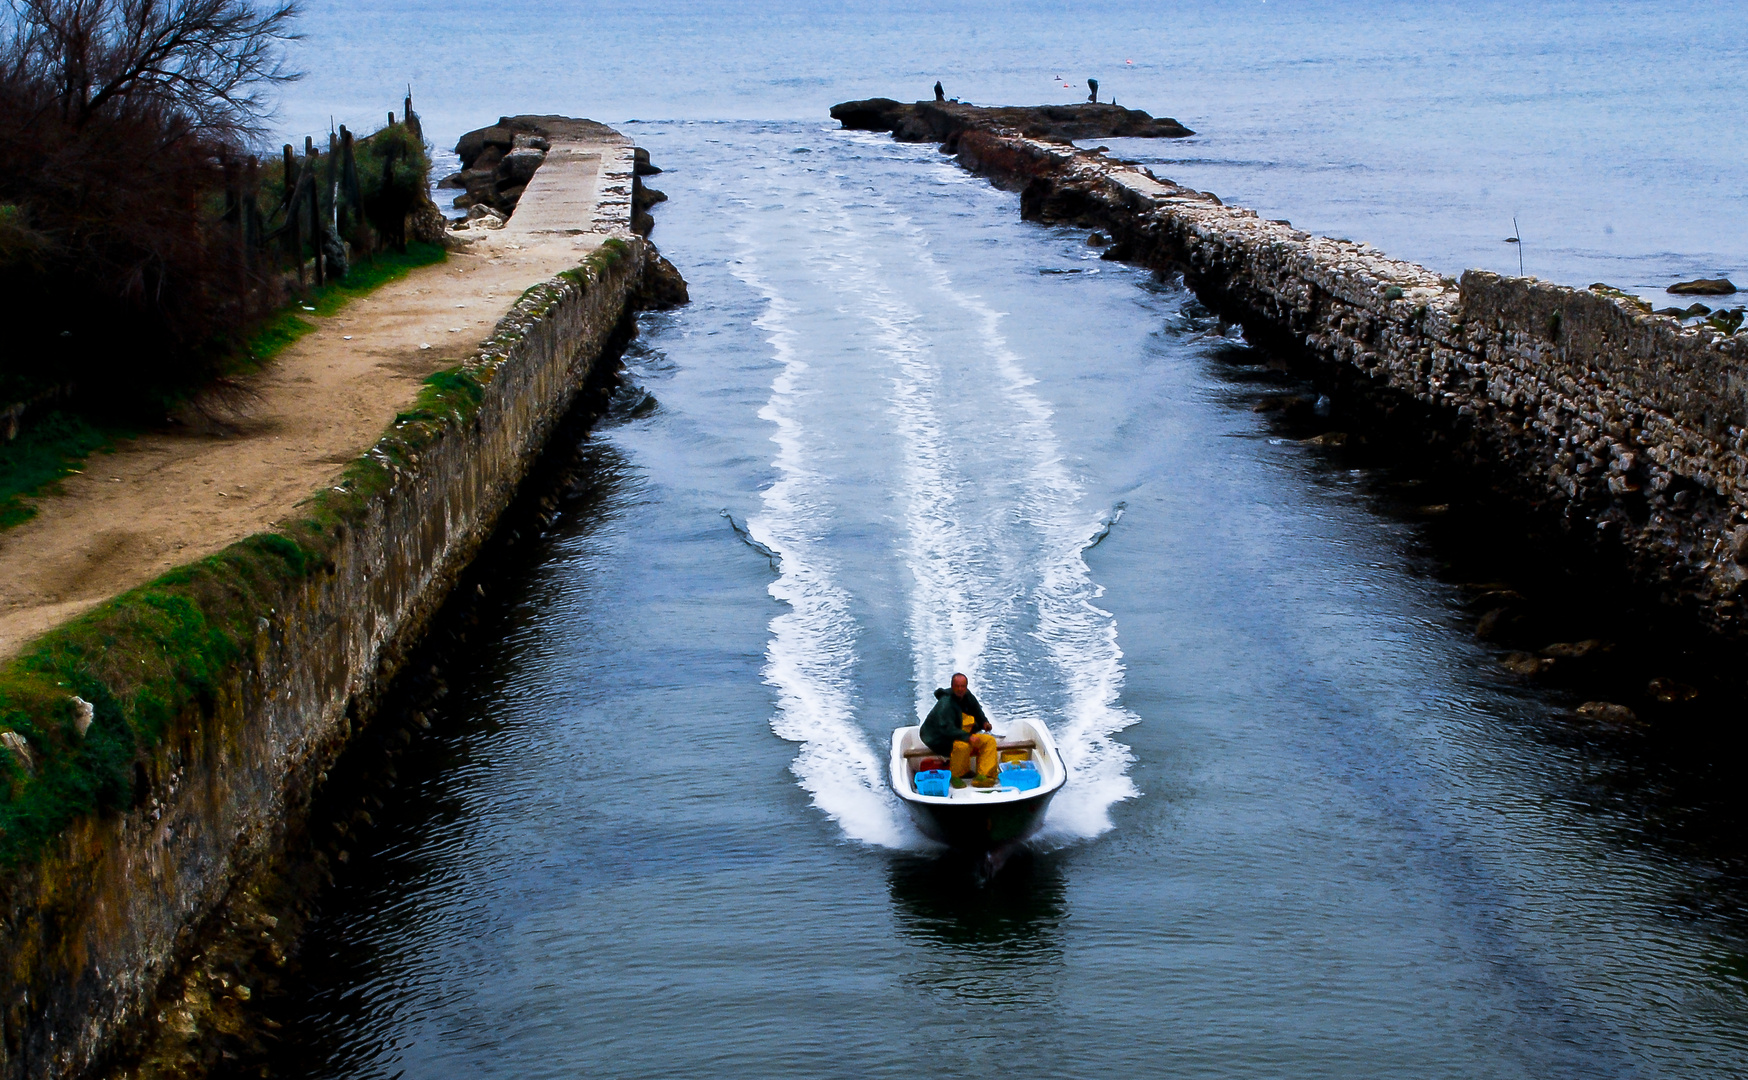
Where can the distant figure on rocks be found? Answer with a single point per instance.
(940, 94)
(1092, 86)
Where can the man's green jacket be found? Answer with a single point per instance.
(943, 727)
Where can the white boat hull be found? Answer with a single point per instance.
(980, 819)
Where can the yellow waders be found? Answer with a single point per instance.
(981, 743)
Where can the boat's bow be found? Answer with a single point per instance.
(989, 817)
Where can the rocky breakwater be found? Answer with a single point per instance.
(1630, 426)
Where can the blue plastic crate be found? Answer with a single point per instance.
(936, 782)
(1021, 774)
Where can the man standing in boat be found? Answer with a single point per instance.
(957, 729)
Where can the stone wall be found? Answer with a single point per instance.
(1631, 426)
(94, 927)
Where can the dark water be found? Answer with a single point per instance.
(1314, 829)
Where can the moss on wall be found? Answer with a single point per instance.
(140, 659)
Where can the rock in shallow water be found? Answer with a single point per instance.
(1576, 650)
(662, 287)
(1607, 712)
(1670, 692)
(1526, 664)
(1499, 624)
(1703, 287)
(932, 121)
(1726, 322)
(1293, 405)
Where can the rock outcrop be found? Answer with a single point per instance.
(941, 121)
(1704, 287)
(662, 288)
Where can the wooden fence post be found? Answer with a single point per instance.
(350, 188)
(291, 236)
(333, 179)
(251, 212)
(315, 205)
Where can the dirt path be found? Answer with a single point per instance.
(171, 497)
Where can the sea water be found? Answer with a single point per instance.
(1313, 829)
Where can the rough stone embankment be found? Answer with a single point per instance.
(1630, 425)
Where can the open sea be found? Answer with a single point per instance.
(1314, 829)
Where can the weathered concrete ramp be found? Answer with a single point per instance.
(1632, 426)
(325, 606)
(583, 189)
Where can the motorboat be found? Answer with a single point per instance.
(981, 818)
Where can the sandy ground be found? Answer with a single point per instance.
(173, 496)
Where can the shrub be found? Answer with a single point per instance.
(120, 122)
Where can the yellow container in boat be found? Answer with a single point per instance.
(1015, 755)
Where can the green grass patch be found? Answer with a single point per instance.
(366, 277)
(611, 251)
(141, 659)
(450, 391)
(44, 452)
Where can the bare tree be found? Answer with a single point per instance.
(118, 123)
(203, 64)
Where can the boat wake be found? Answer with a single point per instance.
(1079, 636)
(991, 523)
(812, 645)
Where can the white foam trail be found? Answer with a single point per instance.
(812, 648)
(951, 609)
(1080, 637)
